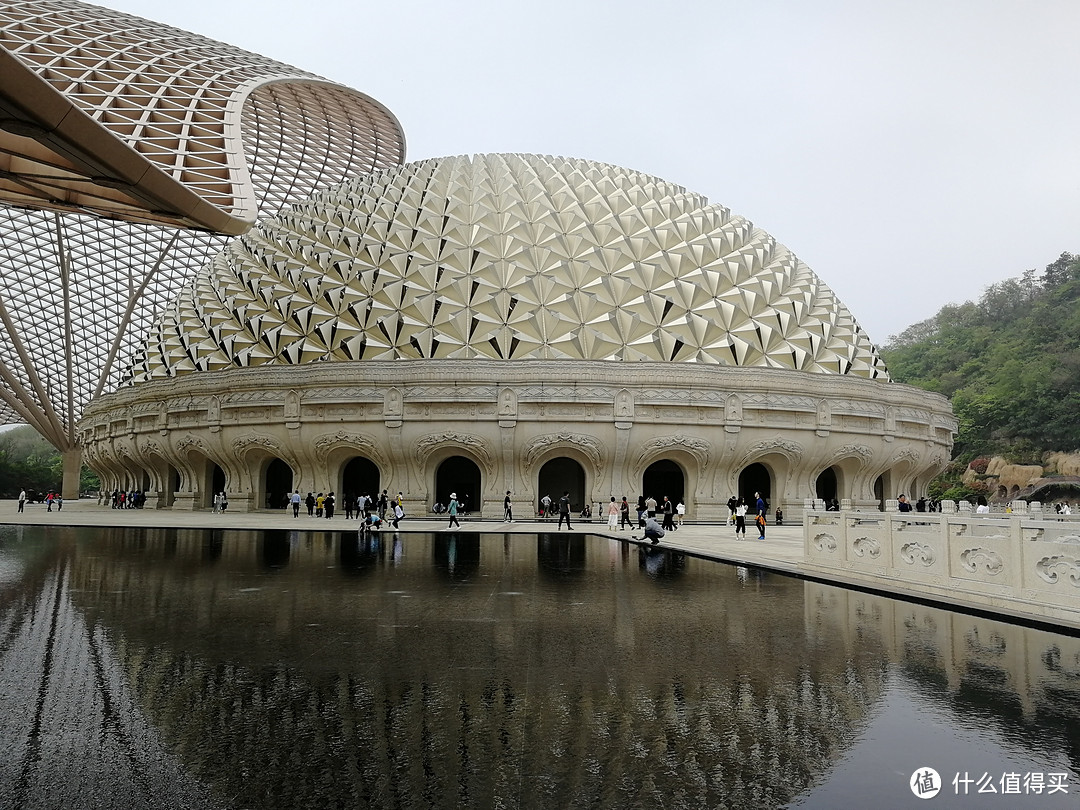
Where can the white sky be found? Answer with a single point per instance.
(910, 152)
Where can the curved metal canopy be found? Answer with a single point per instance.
(129, 152)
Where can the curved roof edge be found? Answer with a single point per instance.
(53, 146)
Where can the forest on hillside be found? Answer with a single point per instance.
(1010, 362)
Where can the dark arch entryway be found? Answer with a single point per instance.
(278, 481)
(360, 477)
(664, 477)
(561, 475)
(459, 475)
(879, 491)
(213, 482)
(755, 478)
(172, 485)
(826, 487)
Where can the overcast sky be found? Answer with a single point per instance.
(910, 152)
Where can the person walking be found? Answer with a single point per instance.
(508, 508)
(669, 513)
(564, 510)
(452, 510)
(320, 499)
(759, 520)
(740, 519)
(328, 504)
(680, 513)
(22, 499)
(295, 501)
(612, 514)
(732, 504)
(650, 507)
(310, 503)
(641, 511)
(624, 514)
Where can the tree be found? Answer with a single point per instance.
(27, 461)
(1010, 362)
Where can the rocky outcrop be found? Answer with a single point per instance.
(1013, 477)
(1062, 464)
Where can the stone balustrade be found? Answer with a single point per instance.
(1015, 564)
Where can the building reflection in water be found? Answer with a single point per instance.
(661, 563)
(456, 556)
(553, 674)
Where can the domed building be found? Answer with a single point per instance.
(514, 323)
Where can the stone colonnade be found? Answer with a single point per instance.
(611, 428)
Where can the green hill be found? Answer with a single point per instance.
(1010, 362)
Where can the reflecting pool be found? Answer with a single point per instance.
(226, 669)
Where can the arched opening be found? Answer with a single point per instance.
(461, 476)
(1002, 493)
(561, 475)
(172, 485)
(664, 477)
(360, 477)
(826, 486)
(879, 492)
(144, 482)
(278, 484)
(755, 478)
(213, 480)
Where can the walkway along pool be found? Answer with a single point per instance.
(164, 668)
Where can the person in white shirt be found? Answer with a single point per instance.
(740, 519)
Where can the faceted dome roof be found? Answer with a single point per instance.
(508, 257)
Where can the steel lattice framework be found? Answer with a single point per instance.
(511, 257)
(129, 152)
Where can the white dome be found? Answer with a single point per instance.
(508, 257)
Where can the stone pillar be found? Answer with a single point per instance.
(1021, 507)
(1035, 509)
(948, 507)
(964, 508)
(72, 460)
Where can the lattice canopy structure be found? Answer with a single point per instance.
(511, 257)
(129, 152)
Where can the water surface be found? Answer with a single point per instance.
(224, 669)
